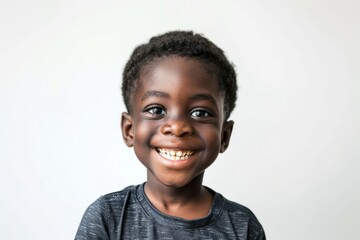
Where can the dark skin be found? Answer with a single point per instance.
(177, 128)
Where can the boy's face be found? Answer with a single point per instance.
(177, 125)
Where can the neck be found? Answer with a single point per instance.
(174, 194)
(189, 201)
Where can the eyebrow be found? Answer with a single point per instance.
(203, 96)
(153, 93)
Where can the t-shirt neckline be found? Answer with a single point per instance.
(175, 222)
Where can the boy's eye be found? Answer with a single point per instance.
(199, 113)
(156, 111)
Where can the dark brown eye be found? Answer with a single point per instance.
(199, 113)
(156, 111)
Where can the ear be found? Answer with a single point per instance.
(127, 129)
(226, 134)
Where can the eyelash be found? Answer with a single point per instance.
(203, 111)
(151, 110)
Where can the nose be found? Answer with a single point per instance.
(177, 127)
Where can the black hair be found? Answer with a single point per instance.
(182, 44)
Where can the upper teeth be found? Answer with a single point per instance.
(175, 155)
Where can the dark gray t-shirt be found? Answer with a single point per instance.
(128, 214)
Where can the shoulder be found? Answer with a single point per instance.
(238, 210)
(115, 198)
(110, 202)
(243, 217)
(104, 214)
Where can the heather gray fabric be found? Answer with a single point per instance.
(128, 214)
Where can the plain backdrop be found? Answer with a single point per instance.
(295, 151)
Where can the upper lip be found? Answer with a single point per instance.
(175, 145)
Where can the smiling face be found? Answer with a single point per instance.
(176, 125)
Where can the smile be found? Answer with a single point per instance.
(174, 154)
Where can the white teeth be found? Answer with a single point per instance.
(175, 155)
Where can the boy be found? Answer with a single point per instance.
(179, 90)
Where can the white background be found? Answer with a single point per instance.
(295, 152)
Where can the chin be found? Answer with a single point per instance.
(177, 181)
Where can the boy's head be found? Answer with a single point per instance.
(179, 90)
(182, 44)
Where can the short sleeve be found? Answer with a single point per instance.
(261, 235)
(94, 223)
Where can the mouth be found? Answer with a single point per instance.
(175, 155)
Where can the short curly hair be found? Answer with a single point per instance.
(182, 44)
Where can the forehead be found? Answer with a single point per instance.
(167, 69)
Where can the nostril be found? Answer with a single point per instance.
(177, 128)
